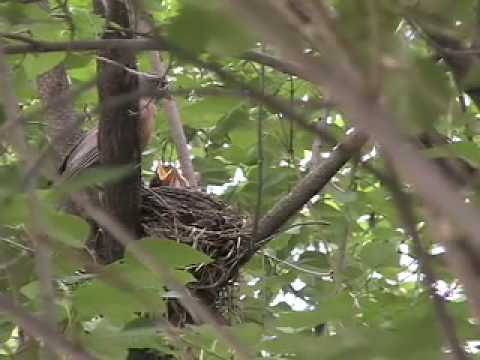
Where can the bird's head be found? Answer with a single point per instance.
(157, 86)
(148, 113)
(167, 175)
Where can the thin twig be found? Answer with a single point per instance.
(260, 155)
(130, 70)
(176, 127)
(347, 86)
(405, 209)
(296, 267)
(85, 45)
(172, 111)
(42, 330)
(42, 259)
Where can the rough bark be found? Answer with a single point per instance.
(119, 133)
(60, 114)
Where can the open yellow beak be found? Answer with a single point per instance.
(165, 174)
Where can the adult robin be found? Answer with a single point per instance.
(85, 153)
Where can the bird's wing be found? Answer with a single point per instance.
(83, 156)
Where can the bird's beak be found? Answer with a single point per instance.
(164, 173)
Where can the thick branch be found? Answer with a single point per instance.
(273, 62)
(309, 186)
(35, 46)
(85, 45)
(347, 86)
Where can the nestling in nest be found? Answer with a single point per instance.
(170, 210)
(202, 222)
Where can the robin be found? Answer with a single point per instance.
(167, 175)
(85, 153)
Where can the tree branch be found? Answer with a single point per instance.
(176, 126)
(308, 187)
(273, 62)
(38, 46)
(347, 86)
(405, 210)
(41, 330)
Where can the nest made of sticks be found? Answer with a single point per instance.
(197, 219)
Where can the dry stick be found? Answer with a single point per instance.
(271, 61)
(405, 209)
(43, 263)
(42, 330)
(369, 113)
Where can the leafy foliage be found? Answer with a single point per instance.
(340, 281)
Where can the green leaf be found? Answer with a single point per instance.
(118, 305)
(68, 229)
(212, 171)
(36, 65)
(73, 61)
(108, 341)
(379, 254)
(206, 112)
(470, 152)
(171, 253)
(249, 334)
(6, 329)
(206, 26)
(93, 177)
(314, 260)
(32, 290)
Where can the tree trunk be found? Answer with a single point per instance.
(119, 132)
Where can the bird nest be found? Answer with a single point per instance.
(204, 223)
